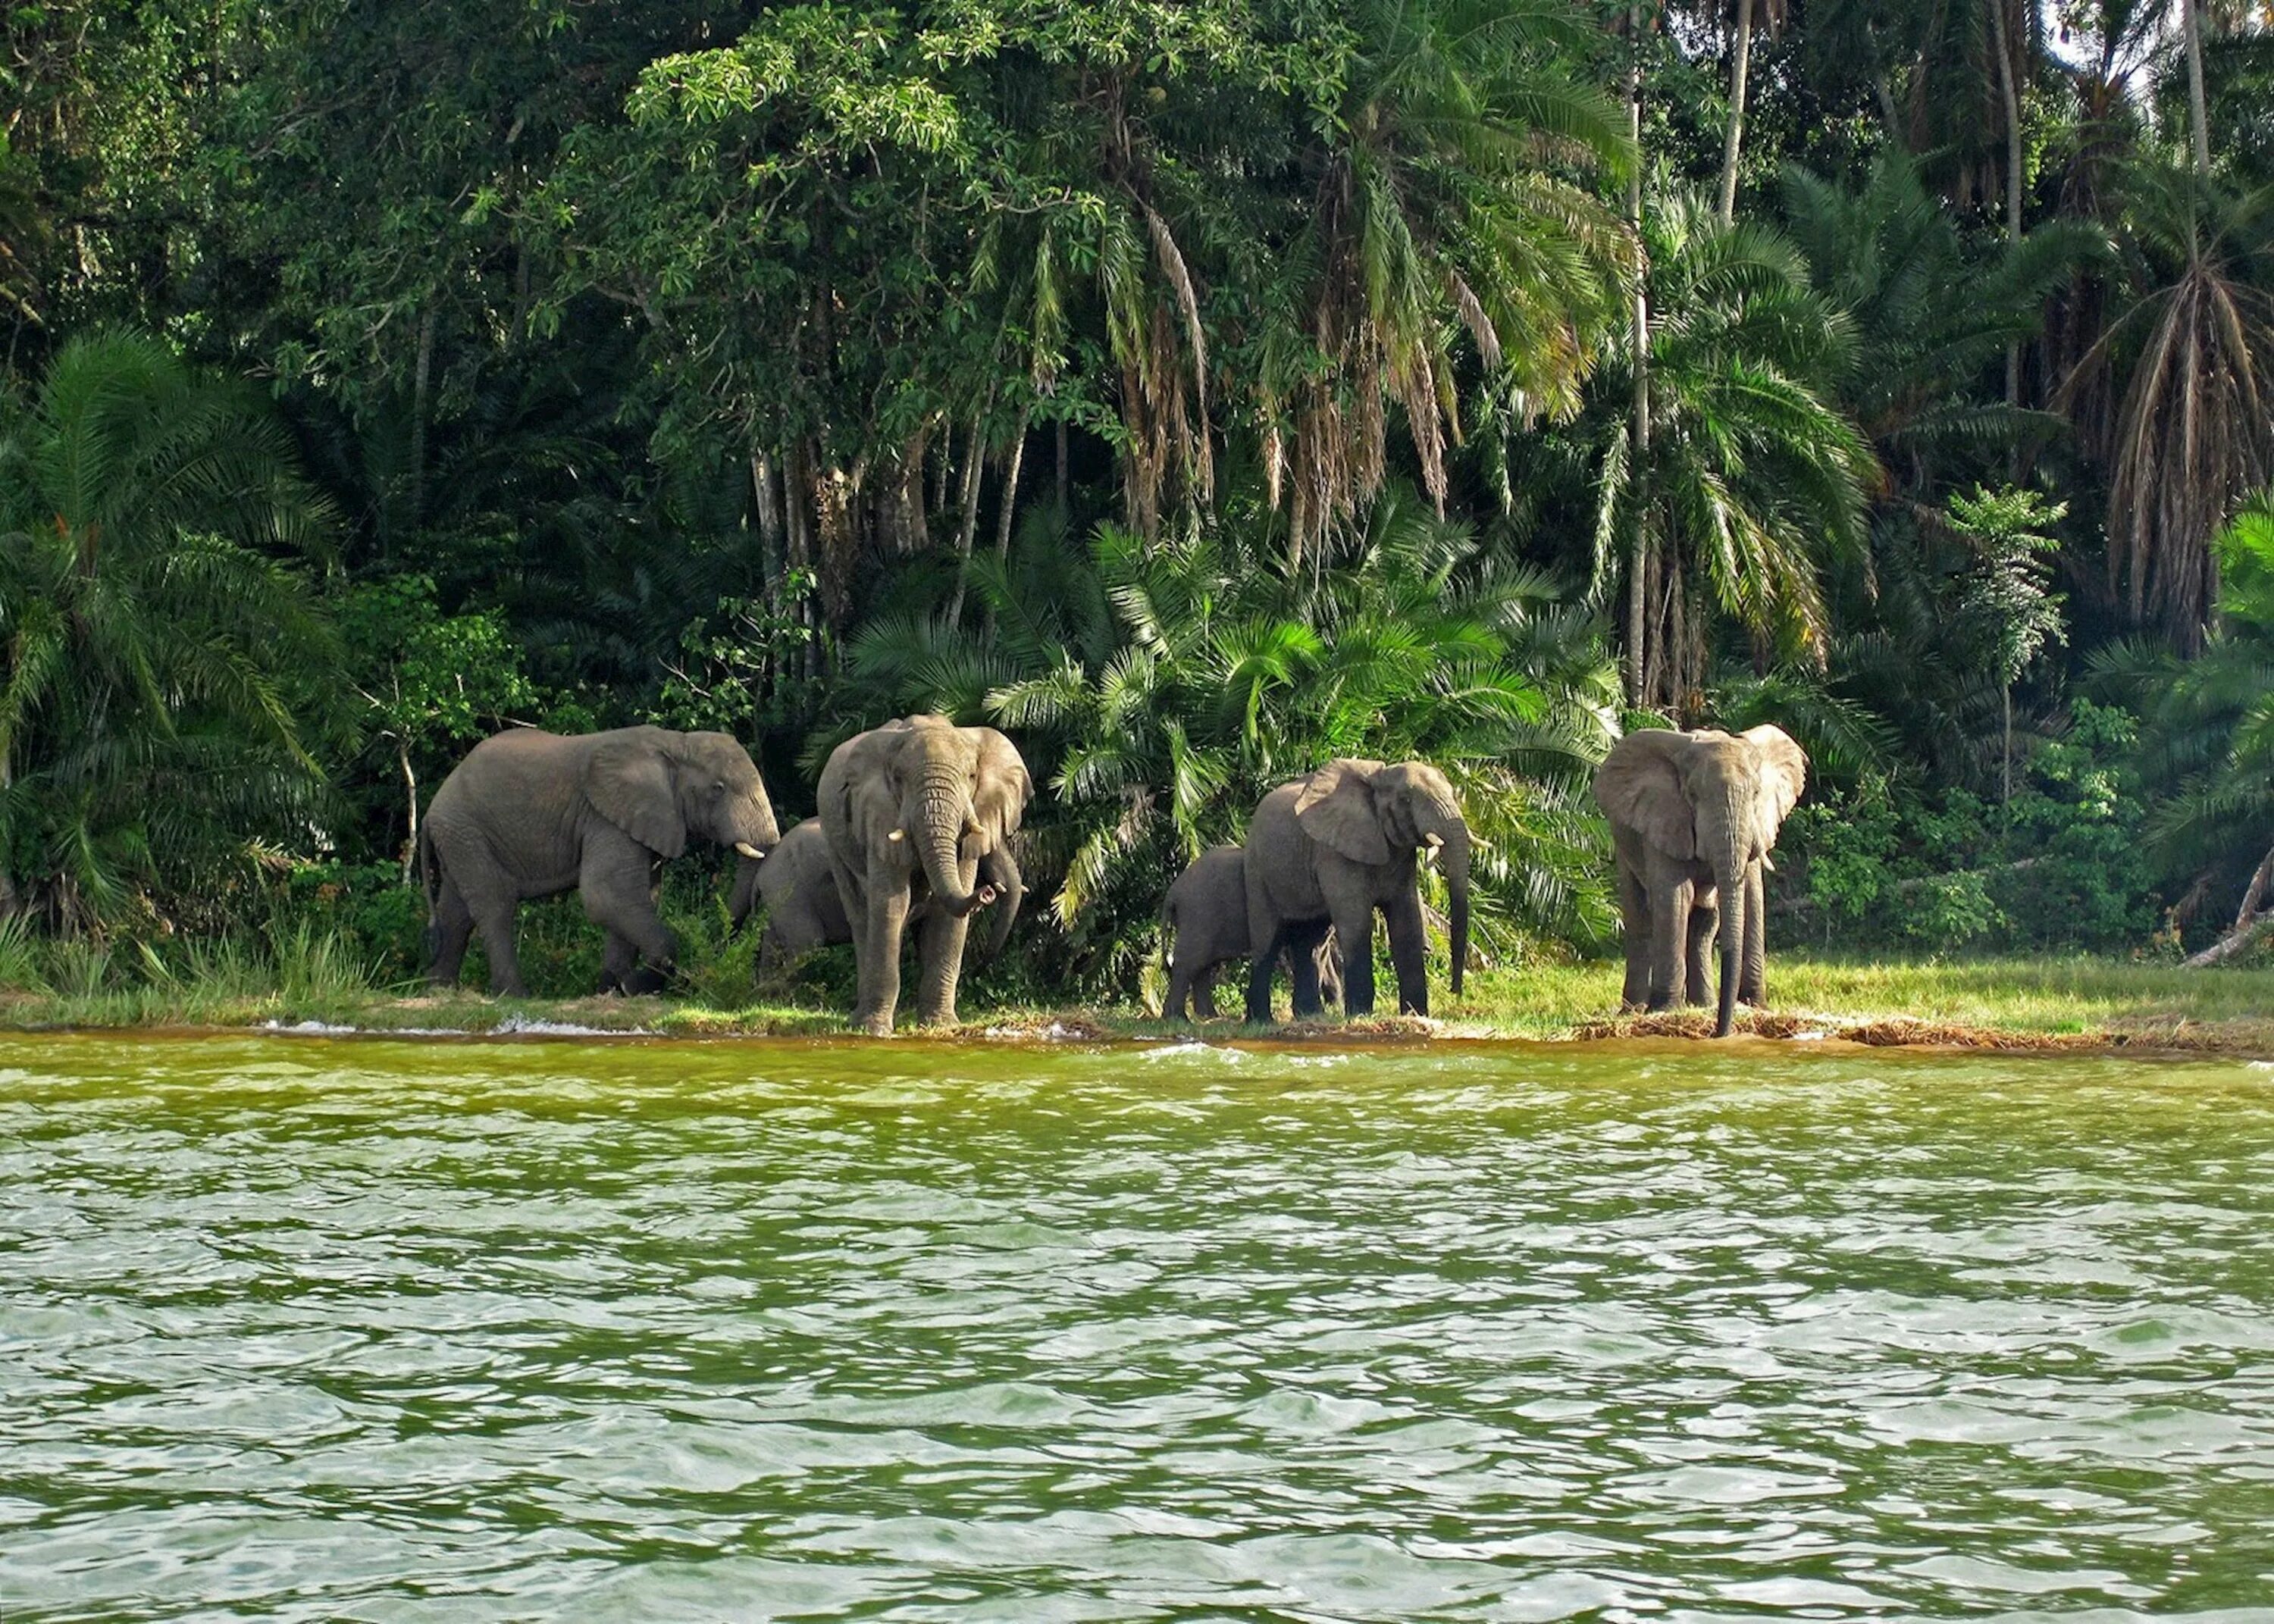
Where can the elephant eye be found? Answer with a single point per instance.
(720, 787)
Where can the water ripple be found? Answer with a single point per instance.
(309, 1329)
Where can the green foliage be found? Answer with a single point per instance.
(157, 644)
(681, 363)
(1158, 702)
(1884, 863)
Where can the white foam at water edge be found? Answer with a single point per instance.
(512, 1026)
(2259, 1065)
(1189, 1048)
(522, 1026)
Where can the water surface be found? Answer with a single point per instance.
(315, 1329)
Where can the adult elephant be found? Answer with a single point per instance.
(1330, 849)
(1204, 917)
(530, 814)
(1693, 818)
(919, 801)
(804, 910)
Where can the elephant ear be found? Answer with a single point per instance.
(1005, 787)
(1335, 808)
(1784, 769)
(628, 780)
(1638, 788)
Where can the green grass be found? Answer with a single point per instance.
(300, 974)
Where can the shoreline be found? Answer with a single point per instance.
(471, 1018)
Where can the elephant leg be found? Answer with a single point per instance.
(448, 934)
(1263, 935)
(1752, 985)
(1634, 911)
(619, 960)
(1698, 946)
(1409, 952)
(1669, 924)
(1203, 993)
(940, 954)
(1353, 924)
(617, 897)
(877, 953)
(1302, 951)
(493, 918)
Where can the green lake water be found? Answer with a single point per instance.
(313, 1329)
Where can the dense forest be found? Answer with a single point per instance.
(1195, 390)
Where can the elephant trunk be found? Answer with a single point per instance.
(1455, 860)
(939, 825)
(1729, 860)
(742, 901)
(1014, 886)
(754, 832)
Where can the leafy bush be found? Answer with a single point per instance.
(2061, 866)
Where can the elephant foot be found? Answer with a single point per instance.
(874, 1025)
(646, 979)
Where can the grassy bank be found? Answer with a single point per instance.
(2021, 1003)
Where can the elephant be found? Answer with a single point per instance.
(530, 814)
(804, 908)
(919, 800)
(1206, 909)
(1330, 849)
(1693, 818)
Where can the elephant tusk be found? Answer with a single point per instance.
(749, 851)
(898, 834)
(1765, 863)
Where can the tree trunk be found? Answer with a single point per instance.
(1010, 500)
(1735, 138)
(767, 505)
(420, 377)
(2192, 25)
(2010, 101)
(410, 803)
(1638, 425)
(974, 458)
(2250, 924)
(1064, 498)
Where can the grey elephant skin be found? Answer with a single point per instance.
(1205, 915)
(798, 888)
(914, 806)
(1332, 848)
(530, 814)
(1693, 818)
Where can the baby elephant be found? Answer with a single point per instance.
(804, 910)
(1207, 908)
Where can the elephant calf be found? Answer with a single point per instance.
(804, 910)
(919, 801)
(1206, 915)
(530, 814)
(1331, 848)
(1693, 816)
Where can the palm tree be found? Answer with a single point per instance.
(157, 652)
(1930, 315)
(1161, 686)
(2190, 434)
(2207, 732)
(1754, 477)
(1439, 208)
